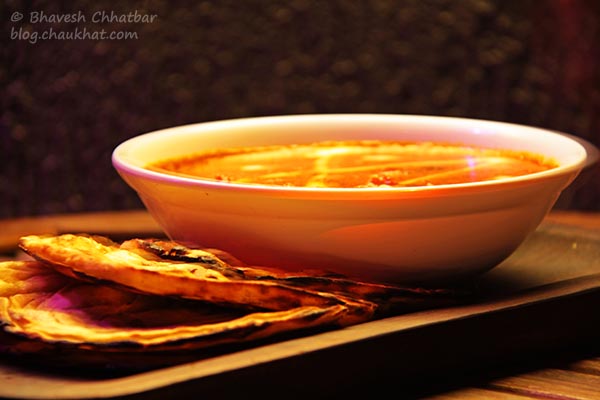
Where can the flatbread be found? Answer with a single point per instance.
(190, 274)
(39, 303)
(149, 302)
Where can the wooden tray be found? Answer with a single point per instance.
(543, 298)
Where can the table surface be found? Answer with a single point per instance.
(562, 375)
(572, 372)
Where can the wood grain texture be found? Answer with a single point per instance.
(116, 224)
(582, 219)
(587, 366)
(478, 394)
(552, 383)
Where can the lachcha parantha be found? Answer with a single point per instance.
(88, 296)
(39, 303)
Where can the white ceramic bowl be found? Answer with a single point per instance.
(417, 234)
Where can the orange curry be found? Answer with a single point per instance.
(356, 164)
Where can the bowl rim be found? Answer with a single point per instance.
(589, 155)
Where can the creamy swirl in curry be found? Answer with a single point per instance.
(356, 164)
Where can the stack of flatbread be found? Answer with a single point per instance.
(148, 302)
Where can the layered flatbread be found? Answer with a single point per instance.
(88, 295)
(181, 272)
(39, 303)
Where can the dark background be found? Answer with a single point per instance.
(67, 103)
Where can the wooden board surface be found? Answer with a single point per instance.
(542, 298)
